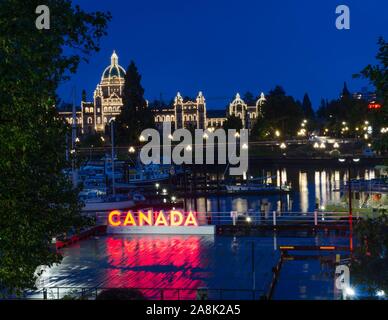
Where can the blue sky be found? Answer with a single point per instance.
(222, 47)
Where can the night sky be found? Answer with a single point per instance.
(222, 47)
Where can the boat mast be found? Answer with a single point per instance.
(73, 141)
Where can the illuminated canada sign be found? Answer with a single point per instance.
(173, 218)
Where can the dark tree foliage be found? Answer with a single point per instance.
(249, 98)
(370, 261)
(353, 112)
(37, 202)
(378, 77)
(233, 122)
(345, 91)
(83, 95)
(307, 107)
(282, 112)
(135, 115)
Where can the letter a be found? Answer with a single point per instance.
(43, 21)
(343, 20)
(191, 220)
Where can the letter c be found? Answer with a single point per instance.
(114, 222)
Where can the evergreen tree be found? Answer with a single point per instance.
(345, 91)
(307, 107)
(282, 112)
(249, 98)
(378, 77)
(37, 201)
(135, 116)
(83, 98)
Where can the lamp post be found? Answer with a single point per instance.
(349, 161)
(112, 135)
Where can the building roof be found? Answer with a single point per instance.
(114, 69)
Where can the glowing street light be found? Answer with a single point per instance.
(205, 136)
(336, 145)
(237, 135)
(189, 148)
(350, 292)
(131, 150)
(322, 146)
(283, 145)
(77, 140)
(380, 293)
(277, 133)
(170, 137)
(244, 146)
(316, 145)
(142, 138)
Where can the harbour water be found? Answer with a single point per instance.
(180, 264)
(191, 262)
(311, 186)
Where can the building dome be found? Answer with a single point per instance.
(114, 70)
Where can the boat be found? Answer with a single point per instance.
(143, 175)
(95, 201)
(255, 187)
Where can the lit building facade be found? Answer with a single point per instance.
(93, 116)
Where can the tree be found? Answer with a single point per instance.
(369, 266)
(233, 122)
(135, 116)
(378, 76)
(249, 99)
(83, 95)
(307, 107)
(282, 113)
(37, 201)
(345, 91)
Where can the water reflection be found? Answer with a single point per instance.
(312, 188)
(188, 262)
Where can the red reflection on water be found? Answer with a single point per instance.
(156, 262)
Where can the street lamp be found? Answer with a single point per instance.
(283, 145)
(112, 133)
(349, 161)
(131, 150)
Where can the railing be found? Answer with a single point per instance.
(257, 218)
(90, 293)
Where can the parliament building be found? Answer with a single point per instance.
(107, 103)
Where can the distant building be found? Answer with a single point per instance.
(107, 103)
(364, 94)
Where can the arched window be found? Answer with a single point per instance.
(91, 109)
(87, 110)
(90, 121)
(99, 120)
(105, 120)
